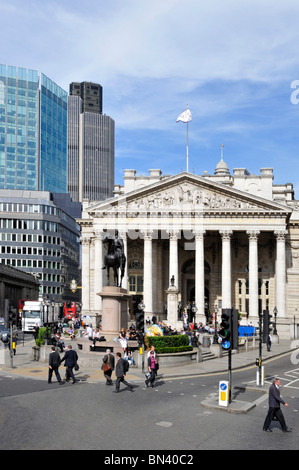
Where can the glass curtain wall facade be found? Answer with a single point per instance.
(33, 131)
(19, 128)
(53, 136)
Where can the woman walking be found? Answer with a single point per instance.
(152, 368)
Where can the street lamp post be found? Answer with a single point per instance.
(194, 310)
(275, 315)
(141, 307)
(179, 310)
(215, 337)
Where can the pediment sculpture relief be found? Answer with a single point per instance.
(188, 195)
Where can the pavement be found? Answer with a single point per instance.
(23, 365)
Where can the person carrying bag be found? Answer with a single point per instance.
(153, 366)
(108, 366)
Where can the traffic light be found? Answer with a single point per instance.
(140, 321)
(60, 312)
(12, 315)
(235, 329)
(225, 331)
(266, 325)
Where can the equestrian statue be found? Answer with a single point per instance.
(115, 258)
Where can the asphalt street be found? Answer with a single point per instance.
(84, 416)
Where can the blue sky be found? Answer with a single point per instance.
(233, 62)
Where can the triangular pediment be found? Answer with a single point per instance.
(186, 192)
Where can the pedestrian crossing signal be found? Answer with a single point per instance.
(225, 328)
(266, 325)
(140, 322)
(229, 329)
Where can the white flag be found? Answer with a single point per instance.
(185, 116)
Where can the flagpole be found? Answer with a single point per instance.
(187, 151)
(186, 117)
(187, 147)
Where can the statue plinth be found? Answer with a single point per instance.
(172, 308)
(114, 309)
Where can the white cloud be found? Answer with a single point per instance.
(232, 61)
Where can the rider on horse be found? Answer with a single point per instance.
(115, 257)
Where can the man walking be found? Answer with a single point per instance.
(54, 363)
(108, 366)
(274, 407)
(120, 371)
(70, 358)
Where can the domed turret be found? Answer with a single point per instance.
(222, 168)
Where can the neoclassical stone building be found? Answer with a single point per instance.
(226, 239)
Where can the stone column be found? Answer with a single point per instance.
(200, 276)
(98, 271)
(243, 294)
(253, 273)
(226, 269)
(280, 275)
(147, 273)
(85, 241)
(123, 235)
(173, 256)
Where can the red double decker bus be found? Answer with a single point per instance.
(69, 309)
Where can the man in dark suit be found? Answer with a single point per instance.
(120, 373)
(108, 359)
(54, 363)
(70, 358)
(274, 407)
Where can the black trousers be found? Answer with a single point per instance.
(54, 369)
(107, 376)
(119, 380)
(69, 373)
(151, 378)
(275, 412)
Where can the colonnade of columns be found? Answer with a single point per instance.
(226, 288)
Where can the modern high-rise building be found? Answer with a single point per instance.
(91, 95)
(39, 235)
(33, 131)
(91, 144)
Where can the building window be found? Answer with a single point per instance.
(135, 284)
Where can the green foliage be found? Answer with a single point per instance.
(168, 344)
(40, 340)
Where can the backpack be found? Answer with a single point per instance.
(126, 366)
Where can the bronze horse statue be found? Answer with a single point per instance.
(115, 258)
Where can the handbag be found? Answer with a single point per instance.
(106, 367)
(76, 367)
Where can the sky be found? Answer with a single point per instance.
(234, 63)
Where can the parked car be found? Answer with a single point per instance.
(4, 333)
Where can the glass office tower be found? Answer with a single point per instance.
(33, 131)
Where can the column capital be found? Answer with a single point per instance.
(199, 234)
(147, 234)
(280, 235)
(98, 233)
(253, 234)
(173, 233)
(85, 241)
(226, 234)
(123, 234)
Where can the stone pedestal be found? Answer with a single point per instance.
(172, 308)
(114, 309)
